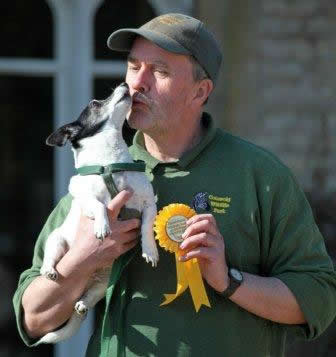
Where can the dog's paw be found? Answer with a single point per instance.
(49, 273)
(101, 229)
(89, 214)
(81, 308)
(150, 254)
(87, 211)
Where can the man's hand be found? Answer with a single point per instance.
(266, 297)
(96, 253)
(202, 240)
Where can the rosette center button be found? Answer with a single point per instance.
(175, 227)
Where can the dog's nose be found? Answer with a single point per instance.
(124, 84)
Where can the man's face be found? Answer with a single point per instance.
(161, 84)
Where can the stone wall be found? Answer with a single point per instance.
(297, 56)
(296, 61)
(278, 87)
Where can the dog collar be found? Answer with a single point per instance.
(112, 168)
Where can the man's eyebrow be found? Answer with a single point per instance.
(131, 59)
(159, 62)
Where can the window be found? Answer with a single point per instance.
(53, 60)
(26, 109)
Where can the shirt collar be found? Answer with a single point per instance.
(139, 151)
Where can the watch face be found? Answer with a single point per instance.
(236, 274)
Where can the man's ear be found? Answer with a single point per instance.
(205, 87)
(63, 134)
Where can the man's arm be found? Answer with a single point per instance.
(266, 297)
(269, 298)
(48, 304)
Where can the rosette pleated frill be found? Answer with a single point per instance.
(169, 225)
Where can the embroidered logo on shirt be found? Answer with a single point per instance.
(200, 202)
(219, 204)
(204, 202)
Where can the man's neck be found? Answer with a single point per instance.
(170, 146)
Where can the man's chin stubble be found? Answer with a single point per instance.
(134, 121)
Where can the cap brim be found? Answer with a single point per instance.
(122, 40)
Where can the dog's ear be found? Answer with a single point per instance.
(63, 134)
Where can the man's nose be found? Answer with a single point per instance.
(140, 81)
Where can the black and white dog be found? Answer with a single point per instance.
(96, 139)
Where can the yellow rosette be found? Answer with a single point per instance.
(169, 225)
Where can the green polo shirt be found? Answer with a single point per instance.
(268, 229)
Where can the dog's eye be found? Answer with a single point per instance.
(95, 103)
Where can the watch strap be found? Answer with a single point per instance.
(232, 287)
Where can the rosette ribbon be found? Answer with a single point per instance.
(169, 225)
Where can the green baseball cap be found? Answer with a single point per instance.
(175, 33)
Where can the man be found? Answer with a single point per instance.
(260, 253)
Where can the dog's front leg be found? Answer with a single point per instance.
(95, 292)
(91, 207)
(149, 249)
(55, 248)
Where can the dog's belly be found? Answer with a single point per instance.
(139, 184)
(70, 225)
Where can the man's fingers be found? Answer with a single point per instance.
(124, 241)
(200, 217)
(121, 230)
(202, 225)
(115, 205)
(128, 225)
(129, 245)
(199, 252)
(201, 239)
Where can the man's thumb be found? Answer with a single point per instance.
(117, 203)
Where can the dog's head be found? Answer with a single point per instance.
(96, 117)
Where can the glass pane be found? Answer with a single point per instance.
(102, 89)
(113, 15)
(26, 29)
(26, 193)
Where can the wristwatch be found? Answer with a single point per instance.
(235, 280)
